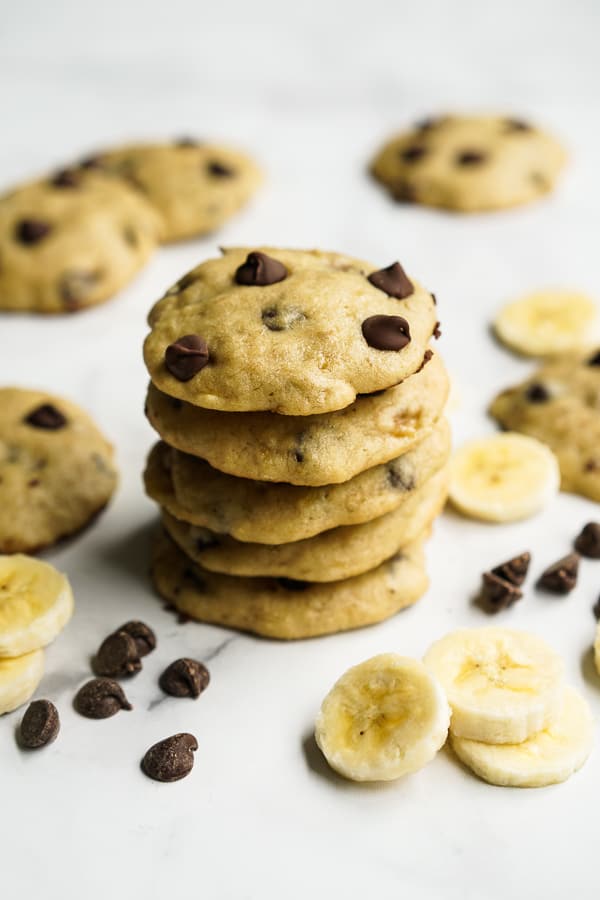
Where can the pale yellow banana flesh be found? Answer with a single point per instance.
(36, 602)
(549, 323)
(19, 677)
(384, 718)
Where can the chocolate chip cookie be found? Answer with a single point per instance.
(195, 187)
(470, 163)
(560, 405)
(71, 241)
(284, 608)
(289, 331)
(56, 470)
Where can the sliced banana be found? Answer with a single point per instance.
(503, 478)
(549, 323)
(503, 685)
(19, 677)
(384, 718)
(36, 602)
(549, 757)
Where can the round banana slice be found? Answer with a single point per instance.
(36, 603)
(549, 323)
(503, 685)
(19, 677)
(503, 478)
(384, 718)
(549, 757)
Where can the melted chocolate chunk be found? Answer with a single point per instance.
(47, 417)
(413, 153)
(260, 270)
(292, 584)
(393, 281)
(32, 231)
(186, 356)
(537, 393)
(386, 332)
(218, 170)
(594, 360)
(67, 178)
(470, 158)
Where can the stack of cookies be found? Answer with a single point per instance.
(303, 446)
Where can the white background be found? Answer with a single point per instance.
(311, 90)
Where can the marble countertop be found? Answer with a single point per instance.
(310, 91)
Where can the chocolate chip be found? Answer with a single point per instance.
(186, 356)
(144, 637)
(30, 231)
(40, 725)
(516, 125)
(76, 285)
(67, 178)
(117, 656)
(426, 357)
(100, 698)
(413, 153)
(218, 170)
(594, 360)
(196, 579)
(470, 158)
(404, 191)
(591, 465)
(514, 570)
(561, 576)
(497, 593)
(293, 584)
(91, 162)
(282, 318)
(587, 541)
(184, 678)
(596, 609)
(47, 417)
(260, 270)
(386, 332)
(298, 456)
(392, 281)
(437, 331)
(537, 393)
(397, 479)
(171, 759)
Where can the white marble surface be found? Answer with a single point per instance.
(310, 90)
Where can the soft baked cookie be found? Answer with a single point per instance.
(278, 513)
(470, 163)
(339, 553)
(72, 241)
(290, 331)
(194, 186)
(283, 608)
(56, 470)
(560, 405)
(308, 450)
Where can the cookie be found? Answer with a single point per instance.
(330, 556)
(560, 405)
(307, 450)
(470, 163)
(294, 332)
(287, 609)
(277, 513)
(56, 470)
(195, 187)
(72, 241)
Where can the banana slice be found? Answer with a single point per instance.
(548, 323)
(36, 603)
(503, 686)
(384, 718)
(19, 678)
(503, 478)
(549, 757)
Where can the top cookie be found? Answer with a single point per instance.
(469, 163)
(194, 186)
(71, 241)
(294, 332)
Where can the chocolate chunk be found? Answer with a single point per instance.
(260, 270)
(426, 357)
(293, 584)
(91, 162)
(397, 479)
(386, 332)
(404, 191)
(561, 576)
(537, 393)
(218, 170)
(30, 231)
(596, 609)
(437, 331)
(117, 656)
(47, 417)
(186, 356)
(282, 318)
(100, 698)
(413, 153)
(67, 178)
(184, 678)
(196, 579)
(171, 759)
(144, 637)
(470, 158)
(40, 725)
(514, 570)
(587, 541)
(392, 281)
(591, 465)
(497, 593)
(76, 285)
(594, 360)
